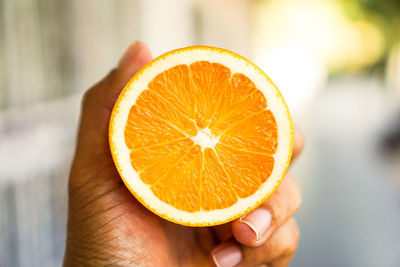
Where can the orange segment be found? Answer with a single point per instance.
(180, 186)
(154, 105)
(142, 130)
(155, 161)
(247, 171)
(215, 182)
(257, 133)
(240, 100)
(174, 85)
(210, 81)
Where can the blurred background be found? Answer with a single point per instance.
(337, 62)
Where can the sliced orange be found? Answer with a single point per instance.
(201, 136)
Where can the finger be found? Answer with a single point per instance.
(99, 100)
(205, 239)
(298, 143)
(282, 262)
(227, 254)
(223, 232)
(282, 245)
(254, 228)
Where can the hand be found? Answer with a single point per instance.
(108, 226)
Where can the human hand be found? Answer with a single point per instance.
(108, 226)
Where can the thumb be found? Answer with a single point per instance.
(99, 100)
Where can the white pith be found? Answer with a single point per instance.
(121, 153)
(205, 139)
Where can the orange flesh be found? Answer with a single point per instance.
(206, 97)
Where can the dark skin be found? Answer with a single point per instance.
(107, 226)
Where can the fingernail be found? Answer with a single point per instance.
(129, 53)
(227, 256)
(258, 221)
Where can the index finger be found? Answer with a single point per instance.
(298, 143)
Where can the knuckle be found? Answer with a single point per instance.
(285, 201)
(294, 233)
(95, 92)
(298, 140)
(297, 196)
(293, 193)
(112, 72)
(275, 208)
(87, 98)
(111, 77)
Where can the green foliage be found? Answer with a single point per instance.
(387, 9)
(384, 13)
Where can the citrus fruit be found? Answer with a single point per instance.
(201, 136)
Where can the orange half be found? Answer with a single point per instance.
(201, 136)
